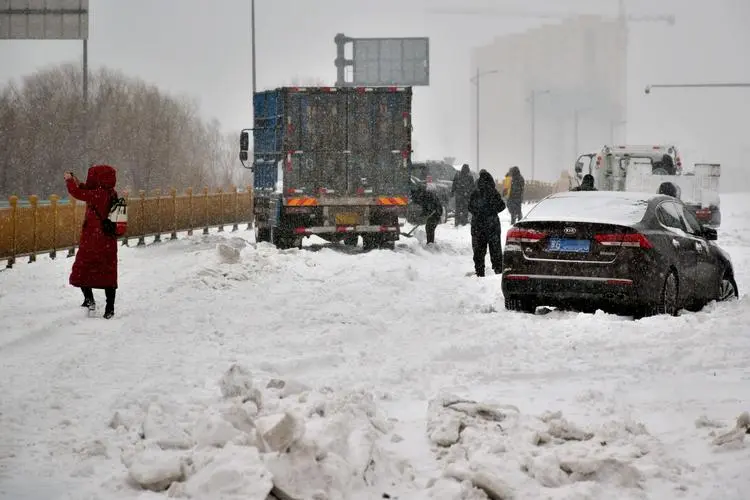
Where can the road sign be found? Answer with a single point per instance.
(44, 19)
(378, 62)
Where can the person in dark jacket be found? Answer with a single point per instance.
(587, 184)
(95, 264)
(515, 196)
(463, 185)
(669, 189)
(485, 203)
(431, 208)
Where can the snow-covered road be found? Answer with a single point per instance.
(405, 326)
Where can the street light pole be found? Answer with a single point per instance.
(695, 85)
(475, 80)
(252, 40)
(532, 100)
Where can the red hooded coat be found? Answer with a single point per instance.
(96, 261)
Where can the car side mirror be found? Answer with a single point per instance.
(579, 167)
(710, 233)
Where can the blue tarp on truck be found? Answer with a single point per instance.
(334, 162)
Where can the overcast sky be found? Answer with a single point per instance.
(201, 48)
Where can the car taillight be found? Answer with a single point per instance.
(703, 213)
(634, 240)
(519, 235)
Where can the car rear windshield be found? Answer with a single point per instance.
(591, 206)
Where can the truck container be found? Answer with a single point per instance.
(332, 162)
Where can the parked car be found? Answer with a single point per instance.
(622, 252)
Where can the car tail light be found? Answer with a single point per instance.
(634, 240)
(519, 235)
(703, 213)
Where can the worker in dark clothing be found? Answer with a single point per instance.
(669, 189)
(587, 184)
(463, 185)
(485, 203)
(431, 208)
(515, 195)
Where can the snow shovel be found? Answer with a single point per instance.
(410, 234)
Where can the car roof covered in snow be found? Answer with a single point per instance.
(609, 207)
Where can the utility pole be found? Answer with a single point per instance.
(475, 80)
(85, 95)
(532, 100)
(252, 42)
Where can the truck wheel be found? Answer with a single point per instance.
(282, 242)
(262, 234)
(369, 242)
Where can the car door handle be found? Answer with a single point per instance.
(675, 243)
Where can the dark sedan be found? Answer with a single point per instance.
(622, 252)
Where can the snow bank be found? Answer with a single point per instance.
(496, 452)
(278, 438)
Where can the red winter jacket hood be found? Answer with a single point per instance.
(101, 176)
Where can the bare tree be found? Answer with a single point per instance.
(154, 139)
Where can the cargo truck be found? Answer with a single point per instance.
(334, 162)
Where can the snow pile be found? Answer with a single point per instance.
(285, 441)
(496, 452)
(732, 439)
(228, 268)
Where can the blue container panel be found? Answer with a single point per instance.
(265, 175)
(268, 132)
(268, 137)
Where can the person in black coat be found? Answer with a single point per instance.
(587, 184)
(515, 199)
(463, 185)
(431, 208)
(485, 203)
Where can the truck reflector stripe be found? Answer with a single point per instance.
(393, 200)
(302, 202)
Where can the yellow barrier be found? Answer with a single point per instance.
(48, 228)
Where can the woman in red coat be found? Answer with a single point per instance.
(96, 261)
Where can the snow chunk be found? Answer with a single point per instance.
(163, 429)
(735, 438)
(234, 473)
(238, 383)
(155, 469)
(278, 432)
(228, 254)
(214, 431)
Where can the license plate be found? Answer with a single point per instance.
(568, 245)
(347, 219)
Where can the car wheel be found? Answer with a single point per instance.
(669, 295)
(728, 290)
(520, 305)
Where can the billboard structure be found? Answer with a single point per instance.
(44, 19)
(381, 62)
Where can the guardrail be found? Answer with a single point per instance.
(49, 226)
